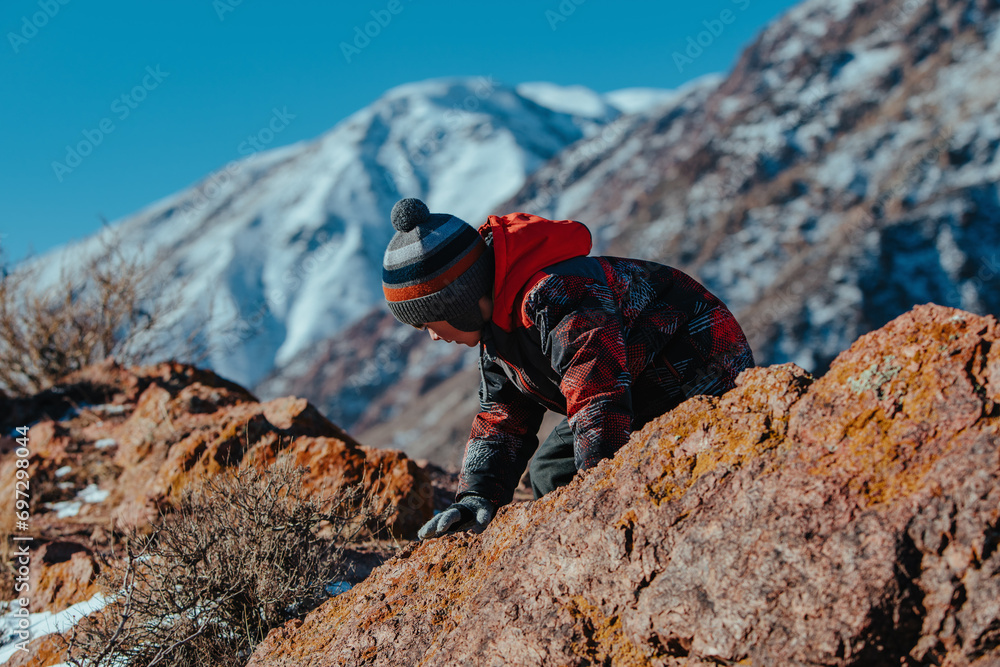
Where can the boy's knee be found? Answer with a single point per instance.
(548, 474)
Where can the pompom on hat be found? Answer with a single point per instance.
(436, 268)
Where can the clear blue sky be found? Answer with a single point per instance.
(217, 68)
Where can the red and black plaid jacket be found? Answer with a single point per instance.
(611, 343)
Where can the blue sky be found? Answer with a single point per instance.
(165, 91)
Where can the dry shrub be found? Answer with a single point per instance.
(8, 570)
(113, 304)
(244, 552)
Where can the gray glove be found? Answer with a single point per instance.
(469, 512)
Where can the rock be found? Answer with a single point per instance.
(851, 520)
(62, 574)
(45, 651)
(180, 433)
(398, 483)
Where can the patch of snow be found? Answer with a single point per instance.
(640, 100)
(840, 9)
(92, 494)
(108, 409)
(338, 587)
(104, 443)
(576, 100)
(65, 508)
(729, 106)
(865, 66)
(42, 623)
(792, 48)
(951, 256)
(837, 171)
(65, 470)
(69, 508)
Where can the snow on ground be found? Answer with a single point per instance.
(65, 508)
(866, 65)
(90, 495)
(42, 623)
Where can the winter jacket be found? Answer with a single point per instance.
(612, 343)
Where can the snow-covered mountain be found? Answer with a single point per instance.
(283, 249)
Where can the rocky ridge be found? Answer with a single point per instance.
(849, 520)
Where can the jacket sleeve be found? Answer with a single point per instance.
(503, 438)
(582, 333)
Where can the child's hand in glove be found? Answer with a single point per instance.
(469, 512)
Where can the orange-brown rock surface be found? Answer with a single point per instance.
(851, 520)
(63, 574)
(46, 651)
(110, 447)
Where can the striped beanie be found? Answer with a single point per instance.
(436, 268)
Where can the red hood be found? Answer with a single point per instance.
(523, 245)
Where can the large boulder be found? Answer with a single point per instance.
(851, 520)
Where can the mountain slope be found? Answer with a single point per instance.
(844, 171)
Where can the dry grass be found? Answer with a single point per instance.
(245, 552)
(113, 305)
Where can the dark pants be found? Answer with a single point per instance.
(553, 464)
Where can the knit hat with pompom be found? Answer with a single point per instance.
(436, 268)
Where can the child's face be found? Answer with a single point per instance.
(444, 331)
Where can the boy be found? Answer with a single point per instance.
(612, 343)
